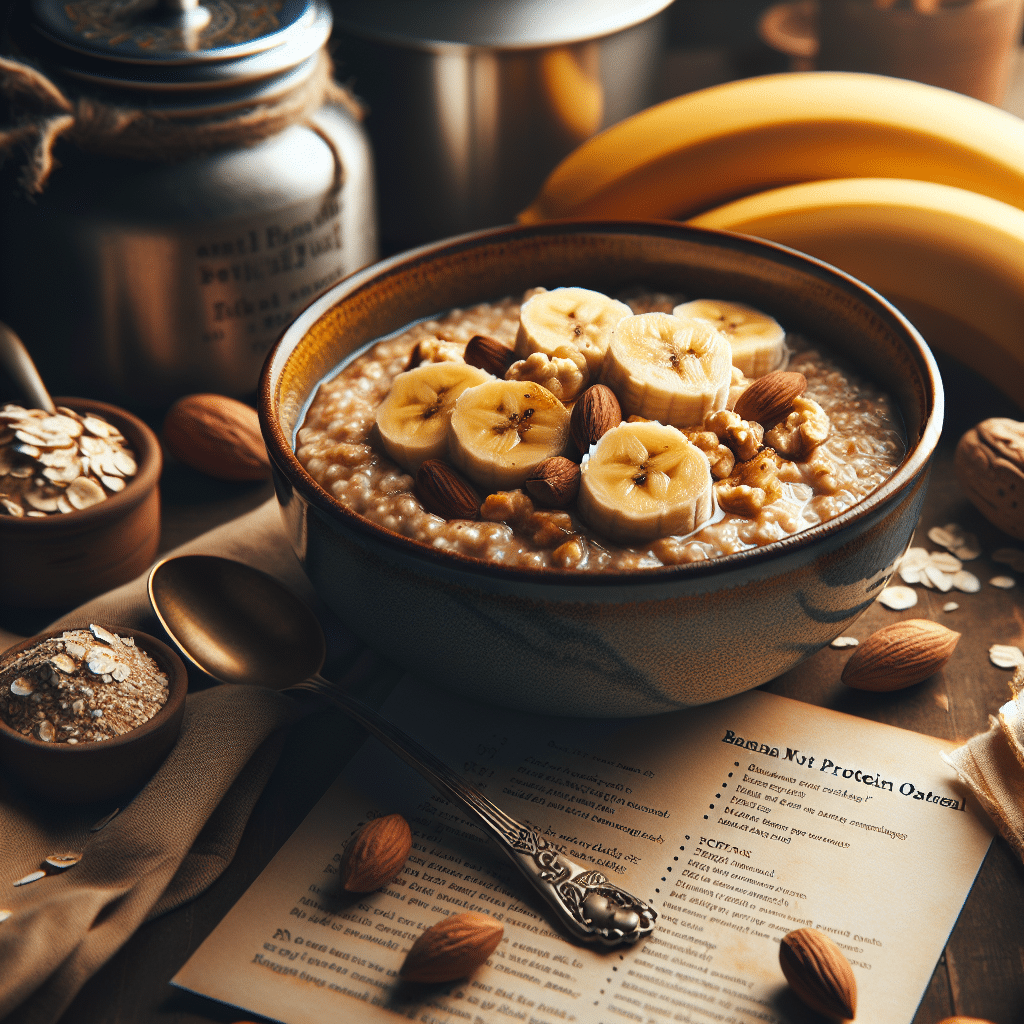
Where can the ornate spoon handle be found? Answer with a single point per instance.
(584, 902)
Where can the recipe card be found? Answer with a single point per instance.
(738, 822)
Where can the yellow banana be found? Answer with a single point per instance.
(951, 260)
(699, 150)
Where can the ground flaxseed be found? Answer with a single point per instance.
(87, 685)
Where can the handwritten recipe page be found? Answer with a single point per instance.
(738, 822)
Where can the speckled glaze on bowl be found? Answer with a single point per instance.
(62, 560)
(635, 643)
(86, 772)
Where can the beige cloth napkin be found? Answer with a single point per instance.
(179, 832)
(992, 765)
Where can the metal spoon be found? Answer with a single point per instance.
(240, 625)
(14, 358)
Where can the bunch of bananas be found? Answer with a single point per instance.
(915, 190)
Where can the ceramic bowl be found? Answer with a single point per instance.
(64, 559)
(627, 643)
(84, 772)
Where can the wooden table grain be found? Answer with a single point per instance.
(981, 973)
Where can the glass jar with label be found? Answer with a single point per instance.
(181, 180)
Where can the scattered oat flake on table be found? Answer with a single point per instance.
(942, 700)
(945, 535)
(844, 641)
(898, 598)
(62, 861)
(32, 876)
(4, 914)
(1003, 582)
(950, 606)
(1005, 656)
(945, 561)
(938, 578)
(966, 581)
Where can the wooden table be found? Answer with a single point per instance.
(981, 973)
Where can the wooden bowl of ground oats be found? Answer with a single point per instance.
(785, 475)
(88, 712)
(79, 501)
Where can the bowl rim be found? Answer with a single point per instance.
(150, 464)
(285, 462)
(169, 662)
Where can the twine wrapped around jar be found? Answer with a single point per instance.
(41, 112)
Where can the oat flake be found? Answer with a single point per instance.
(898, 598)
(1003, 582)
(966, 581)
(950, 606)
(1005, 656)
(32, 876)
(844, 641)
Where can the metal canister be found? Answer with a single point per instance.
(208, 180)
(472, 104)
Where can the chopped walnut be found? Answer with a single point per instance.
(511, 507)
(806, 427)
(549, 529)
(570, 554)
(721, 458)
(752, 485)
(742, 437)
(565, 374)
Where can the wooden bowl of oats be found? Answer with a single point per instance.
(89, 712)
(671, 547)
(79, 501)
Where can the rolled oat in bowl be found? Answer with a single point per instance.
(84, 686)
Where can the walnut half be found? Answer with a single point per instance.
(806, 427)
(753, 485)
(989, 464)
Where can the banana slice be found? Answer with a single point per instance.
(665, 368)
(757, 340)
(503, 429)
(642, 481)
(577, 317)
(413, 418)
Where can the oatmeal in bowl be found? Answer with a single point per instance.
(600, 469)
(480, 403)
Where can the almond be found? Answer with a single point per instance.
(217, 435)
(818, 973)
(452, 948)
(445, 493)
(375, 854)
(900, 655)
(489, 355)
(555, 482)
(596, 411)
(770, 398)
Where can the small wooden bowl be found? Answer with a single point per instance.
(84, 772)
(65, 559)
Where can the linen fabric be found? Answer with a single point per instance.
(175, 837)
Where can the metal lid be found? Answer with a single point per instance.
(180, 44)
(495, 24)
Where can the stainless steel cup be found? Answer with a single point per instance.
(472, 104)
